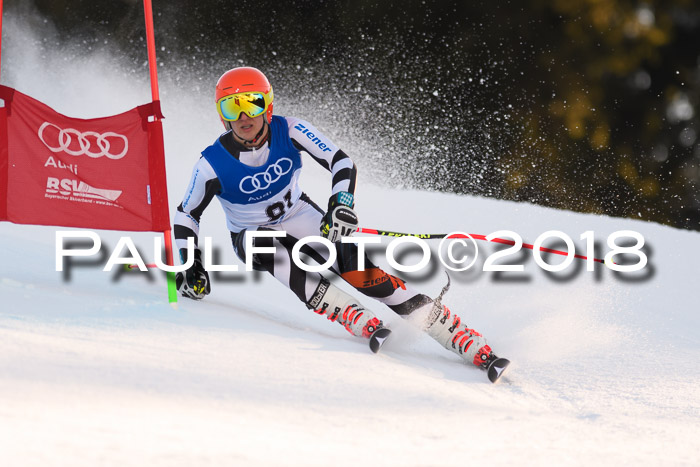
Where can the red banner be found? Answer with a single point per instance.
(103, 173)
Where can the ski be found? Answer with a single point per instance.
(497, 368)
(437, 301)
(377, 339)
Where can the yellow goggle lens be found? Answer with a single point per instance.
(252, 104)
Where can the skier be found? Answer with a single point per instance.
(253, 169)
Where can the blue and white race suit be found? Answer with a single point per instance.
(259, 190)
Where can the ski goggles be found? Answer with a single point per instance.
(253, 104)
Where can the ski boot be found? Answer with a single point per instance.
(338, 306)
(447, 328)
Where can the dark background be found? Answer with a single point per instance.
(584, 105)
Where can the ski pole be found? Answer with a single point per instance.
(388, 233)
(129, 267)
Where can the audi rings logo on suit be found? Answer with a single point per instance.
(263, 180)
(63, 141)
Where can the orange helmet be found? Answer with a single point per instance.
(244, 80)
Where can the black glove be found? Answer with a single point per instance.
(340, 219)
(194, 282)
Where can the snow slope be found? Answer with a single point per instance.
(97, 369)
(100, 370)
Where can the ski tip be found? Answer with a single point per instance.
(377, 339)
(497, 369)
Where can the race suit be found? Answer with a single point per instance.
(258, 188)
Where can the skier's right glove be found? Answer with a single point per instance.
(194, 282)
(340, 220)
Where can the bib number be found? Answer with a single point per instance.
(276, 210)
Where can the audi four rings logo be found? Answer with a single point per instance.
(263, 180)
(65, 137)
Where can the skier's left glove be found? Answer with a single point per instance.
(194, 282)
(340, 219)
